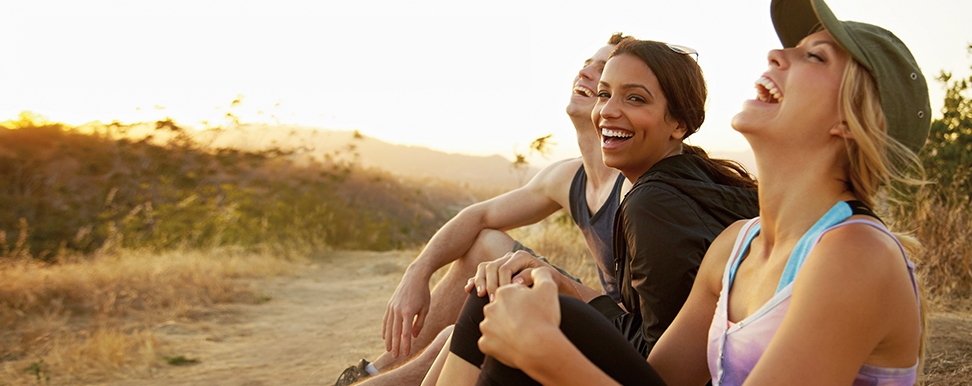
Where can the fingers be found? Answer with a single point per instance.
(505, 321)
(545, 281)
(384, 322)
(419, 322)
(524, 277)
(485, 279)
(497, 274)
(494, 274)
(480, 279)
(386, 333)
(543, 275)
(502, 326)
(406, 338)
(396, 337)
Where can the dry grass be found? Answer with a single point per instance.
(91, 319)
(942, 223)
(944, 228)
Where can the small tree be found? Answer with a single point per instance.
(947, 155)
(542, 145)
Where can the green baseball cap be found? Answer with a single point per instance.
(901, 86)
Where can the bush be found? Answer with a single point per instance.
(95, 188)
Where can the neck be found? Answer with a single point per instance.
(794, 192)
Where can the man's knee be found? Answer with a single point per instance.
(490, 245)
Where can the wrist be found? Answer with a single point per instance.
(419, 270)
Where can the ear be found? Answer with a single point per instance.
(680, 131)
(841, 130)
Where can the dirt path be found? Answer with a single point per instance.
(323, 318)
(314, 324)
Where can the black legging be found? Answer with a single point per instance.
(583, 325)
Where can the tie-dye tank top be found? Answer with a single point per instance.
(735, 348)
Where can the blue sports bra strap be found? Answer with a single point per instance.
(837, 214)
(752, 229)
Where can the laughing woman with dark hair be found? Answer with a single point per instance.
(816, 290)
(651, 97)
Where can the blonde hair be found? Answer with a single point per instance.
(876, 160)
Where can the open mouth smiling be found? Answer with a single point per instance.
(614, 136)
(583, 91)
(767, 91)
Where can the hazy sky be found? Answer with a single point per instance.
(478, 77)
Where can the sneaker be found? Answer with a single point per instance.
(353, 374)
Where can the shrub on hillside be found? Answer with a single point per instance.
(88, 190)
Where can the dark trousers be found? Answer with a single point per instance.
(587, 328)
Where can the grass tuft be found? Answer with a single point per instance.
(89, 320)
(180, 360)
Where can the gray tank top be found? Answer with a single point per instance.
(598, 228)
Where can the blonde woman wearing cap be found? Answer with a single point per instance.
(814, 291)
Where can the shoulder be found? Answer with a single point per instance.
(652, 199)
(553, 181)
(857, 259)
(557, 173)
(718, 254)
(648, 189)
(859, 247)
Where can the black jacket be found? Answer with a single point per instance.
(663, 228)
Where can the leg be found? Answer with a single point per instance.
(461, 366)
(432, 377)
(597, 338)
(448, 295)
(412, 372)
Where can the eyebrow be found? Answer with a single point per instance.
(590, 61)
(827, 42)
(814, 43)
(627, 86)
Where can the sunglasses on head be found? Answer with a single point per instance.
(683, 50)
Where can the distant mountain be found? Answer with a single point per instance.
(492, 173)
(483, 174)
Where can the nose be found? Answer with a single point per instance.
(777, 58)
(606, 108)
(586, 72)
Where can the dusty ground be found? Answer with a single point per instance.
(328, 315)
(312, 327)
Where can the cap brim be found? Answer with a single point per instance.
(797, 19)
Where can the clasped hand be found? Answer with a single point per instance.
(516, 337)
(514, 267)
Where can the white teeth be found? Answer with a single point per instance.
(583, 91)
(767, 91)
(615, 133)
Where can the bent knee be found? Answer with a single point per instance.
(444, 334)
(490, 245)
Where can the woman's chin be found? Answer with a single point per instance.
(618, 164)
(743, 122)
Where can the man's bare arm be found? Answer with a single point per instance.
(546, 193)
